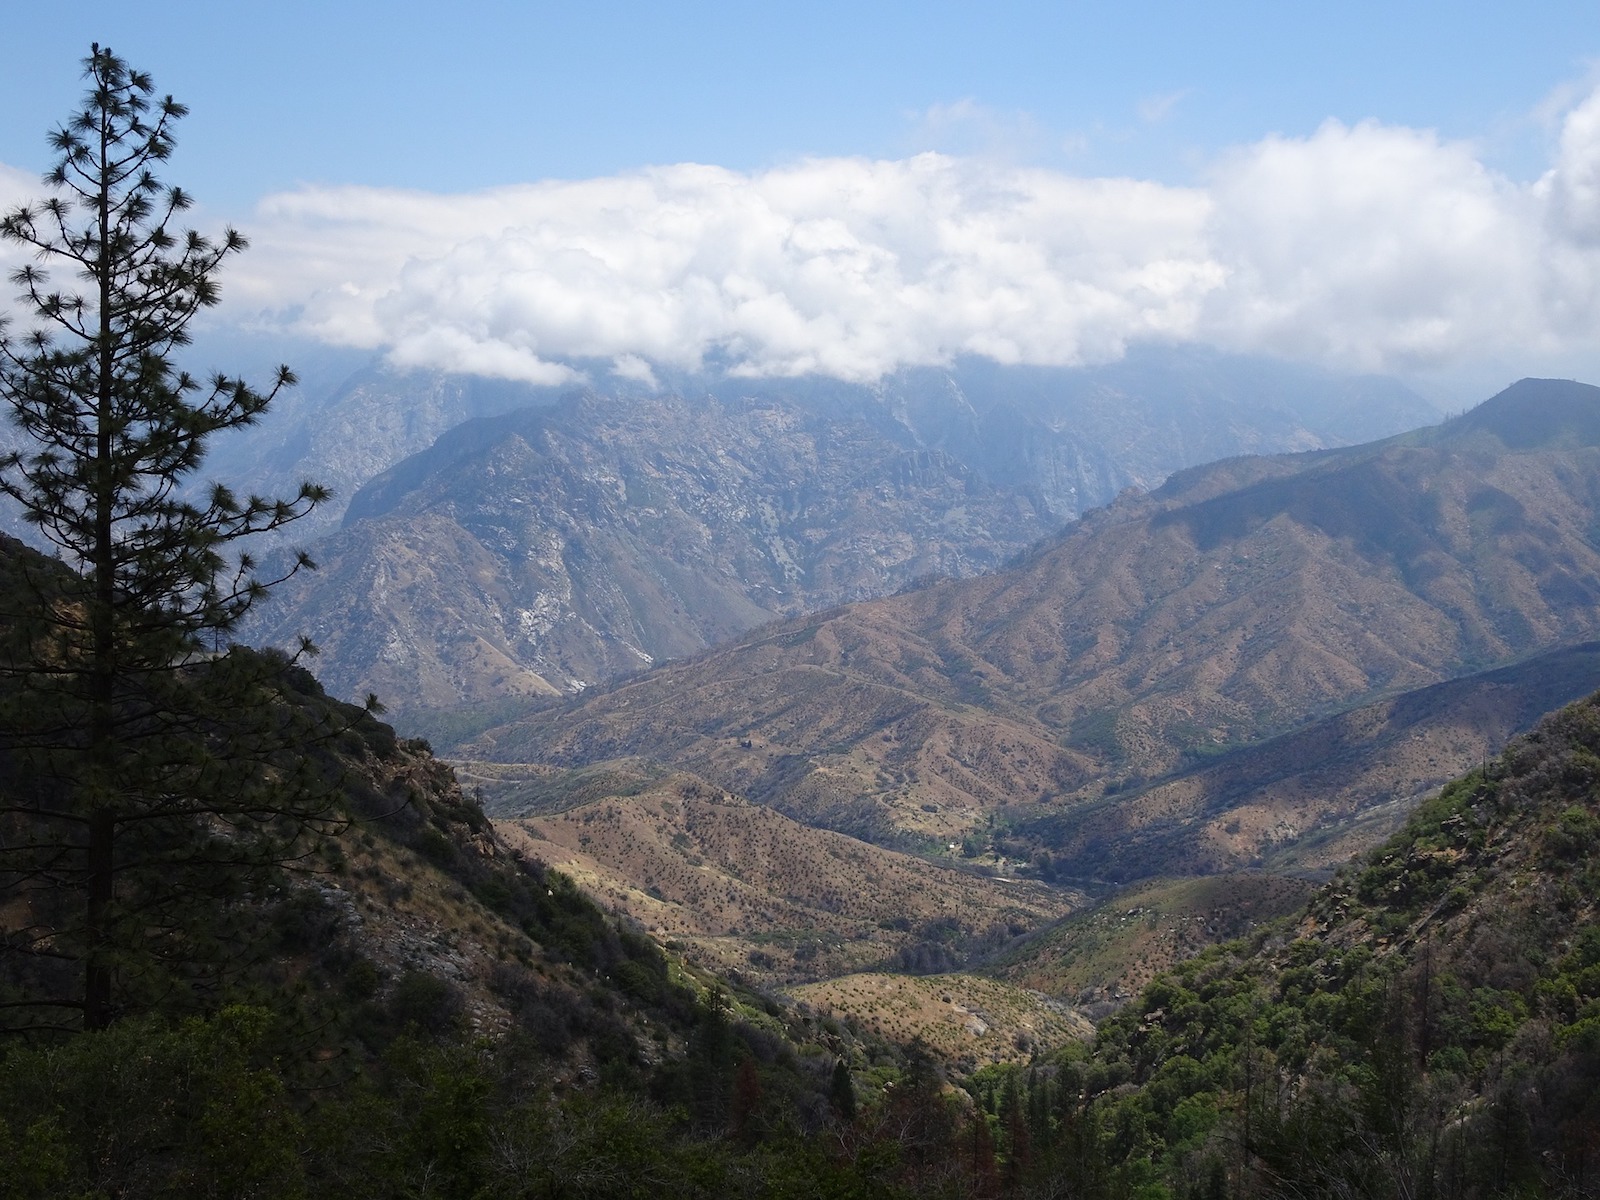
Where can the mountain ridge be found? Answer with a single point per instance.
(545, 549)
(1236, 602)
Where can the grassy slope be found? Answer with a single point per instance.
(755, 892)
(966, 1020)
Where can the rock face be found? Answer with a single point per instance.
(1072, 438)
(343, 434)
(548, 548)
(1077, 438)
(563, 543)
(1238, 602)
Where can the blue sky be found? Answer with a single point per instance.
(390, 124)
(409, 95)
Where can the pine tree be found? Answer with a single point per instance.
(144, 775)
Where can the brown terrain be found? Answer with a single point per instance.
(1308, 800)
(1237, 603)
(749, 890)
(1100, 958)
(965, 1019)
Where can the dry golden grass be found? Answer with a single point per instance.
(1103, 956)
(965, 1019)
(758, 892)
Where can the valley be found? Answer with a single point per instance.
(498, 540)
(769, 898)
(840, 609)
(1149, 640)
(1001, 827)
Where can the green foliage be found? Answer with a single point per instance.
(146, 1109)
(1436, 1036)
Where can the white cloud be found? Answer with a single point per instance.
(1369, 246)
(631, 366)
(843, 267)
(17, 188)
(1377, 248)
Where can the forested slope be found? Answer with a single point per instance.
(1428, 1026)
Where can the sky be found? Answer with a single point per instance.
(508, 188)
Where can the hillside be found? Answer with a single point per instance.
(544, 550)
(1306, 801)
(411, 1007)
(967, 1020)
(750, 499)
(1237, 602)
(1098, 959)
(1429, 1025)
(754, 892)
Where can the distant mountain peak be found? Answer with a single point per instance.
(1537, 413)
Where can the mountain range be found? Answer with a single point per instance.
(552, 547)
(1071, 436)
(745, 500)
(1237, 602)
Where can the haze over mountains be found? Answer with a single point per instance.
(1266, 661)
(552, 547)
(1238, 601)
(507, 559)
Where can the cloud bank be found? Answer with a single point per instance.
(1369, 247)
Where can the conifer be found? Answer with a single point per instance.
(144, 771)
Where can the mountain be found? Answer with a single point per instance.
(1070, 437)
(780, 496)
(1076, 438)
(408, 1006)
(1429, 1024)
(546, 549)
(1237, 602)
(350, 421)
(1307, 800)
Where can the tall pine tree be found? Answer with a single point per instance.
(144, 770)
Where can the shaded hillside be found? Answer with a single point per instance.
(1237, 602)
(754, 892)
(410, 1006)
(420, 1009)
(1429, 1026)
(1308, 800)
(553, 547)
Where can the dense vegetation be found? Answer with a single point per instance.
(1430, 1026)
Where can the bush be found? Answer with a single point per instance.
(431, 1004)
